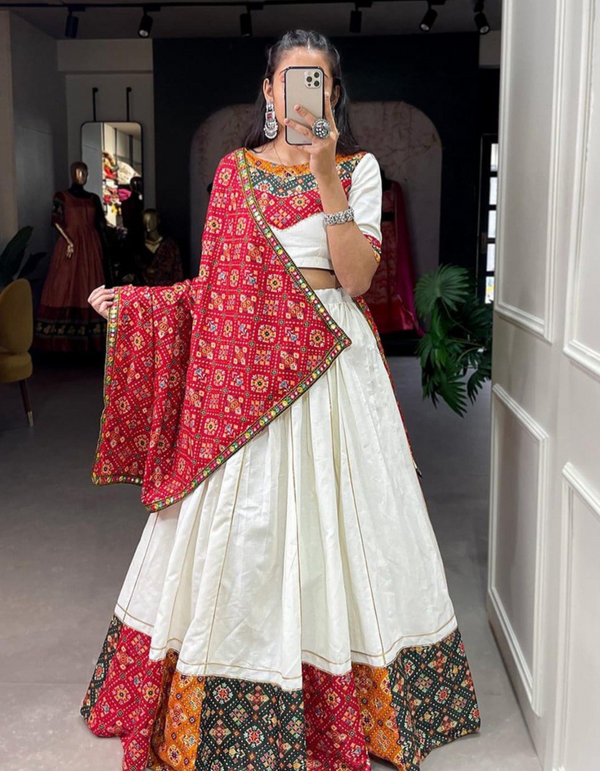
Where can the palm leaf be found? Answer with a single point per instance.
(447, 283)
(12, 256)
(459, 338)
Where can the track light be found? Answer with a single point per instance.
(246, 24)
(429, 19)
(481, 21)
(246, 18)
(355, 20)
(146, 22)
(71, 25)
(356, 15)
(145, 25)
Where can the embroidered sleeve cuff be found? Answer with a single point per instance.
(376, 244)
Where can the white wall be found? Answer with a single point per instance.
(32, 130)
(544, 574)
(111, 66)
(40, 128)
(8, 178)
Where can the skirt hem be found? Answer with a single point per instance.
(167, 720)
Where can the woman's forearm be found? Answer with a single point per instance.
(351, 252)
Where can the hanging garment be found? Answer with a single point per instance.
(391, 294)
(65, 321)
(161, 267)
(287, 606)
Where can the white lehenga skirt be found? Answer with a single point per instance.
(305, 569)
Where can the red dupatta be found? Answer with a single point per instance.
(195, 370)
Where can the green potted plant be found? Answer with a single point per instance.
(15, 263)
(456, 351)
(12, 256)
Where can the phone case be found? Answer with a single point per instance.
(305, 86)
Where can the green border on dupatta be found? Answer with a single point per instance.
(299, 279)
(342, 341)
(284, 257)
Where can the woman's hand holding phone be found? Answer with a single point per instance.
(321, 151)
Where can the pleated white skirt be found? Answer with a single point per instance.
(310, 544)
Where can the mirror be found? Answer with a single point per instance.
(113, 152)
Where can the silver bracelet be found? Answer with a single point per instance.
(346, 215)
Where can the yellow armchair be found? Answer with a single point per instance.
(16, 337)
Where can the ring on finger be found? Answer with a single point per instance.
(321, 128)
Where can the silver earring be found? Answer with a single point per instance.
(271, 126)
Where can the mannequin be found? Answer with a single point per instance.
(159, 262)
(64, 322)
(79, 177)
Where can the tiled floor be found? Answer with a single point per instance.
(66, 545)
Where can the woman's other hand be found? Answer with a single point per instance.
(101, 299)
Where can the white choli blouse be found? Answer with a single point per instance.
(295, 213)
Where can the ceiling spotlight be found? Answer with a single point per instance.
(71, 25)
(429, 19)
(145, 25)
(356, 15)
(481, 21)
(246, 24)
(146, 22)
(355, 20)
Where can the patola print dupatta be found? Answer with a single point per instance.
(195, 370)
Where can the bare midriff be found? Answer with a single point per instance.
(320, 278)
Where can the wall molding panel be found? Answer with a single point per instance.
(531, 677)
(540, 326)
(544, 570)
(583, 355)
(574, 486)
(534, 324)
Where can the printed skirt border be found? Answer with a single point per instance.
(167, 720)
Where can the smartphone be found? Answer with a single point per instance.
(305, 86)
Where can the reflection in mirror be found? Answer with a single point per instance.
(113, 154)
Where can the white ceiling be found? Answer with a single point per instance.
(383, 18)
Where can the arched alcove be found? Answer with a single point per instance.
(404, 140)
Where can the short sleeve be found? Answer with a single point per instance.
(365, 197)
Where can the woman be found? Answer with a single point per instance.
(287, 605)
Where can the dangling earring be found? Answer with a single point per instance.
(271, 126)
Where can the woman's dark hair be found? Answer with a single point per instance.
(300, 38)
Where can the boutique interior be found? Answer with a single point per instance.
(122, 122)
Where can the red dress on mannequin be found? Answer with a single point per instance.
(65, 320)
(391, 295)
